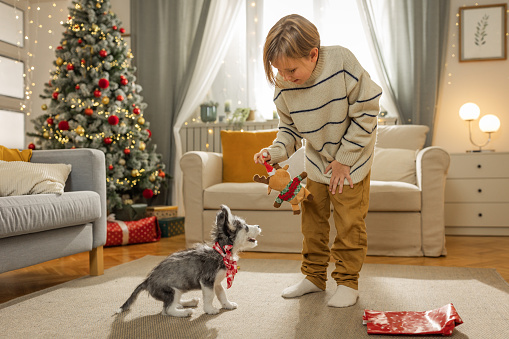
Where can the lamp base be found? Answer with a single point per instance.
(480, 151)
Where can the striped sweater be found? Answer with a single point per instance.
(335, 111)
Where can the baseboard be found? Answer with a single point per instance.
(482, 231)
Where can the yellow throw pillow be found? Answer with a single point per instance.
(13, 154)
(238, 151)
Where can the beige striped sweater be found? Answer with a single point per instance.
(335, 111)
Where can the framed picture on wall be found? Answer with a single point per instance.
(13, 81)
(483, 33)
(11, 25)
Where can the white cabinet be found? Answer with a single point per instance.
(477, 194)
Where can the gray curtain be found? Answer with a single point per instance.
(410, 38)
(166, 37)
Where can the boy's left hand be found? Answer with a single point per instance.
(340, 172)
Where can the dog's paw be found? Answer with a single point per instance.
(181, 313)
(230, 305)
(211, 310)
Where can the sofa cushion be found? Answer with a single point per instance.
(238, 151)
(394, 164)
(19, 178)
(389, 196)
(401, 136)
(13, 154)
(35, 213)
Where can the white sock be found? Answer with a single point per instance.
(344, 297)
(297, 290)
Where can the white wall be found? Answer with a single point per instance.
(485, 83)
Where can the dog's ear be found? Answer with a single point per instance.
(224, 218)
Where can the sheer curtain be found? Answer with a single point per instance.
(409, 40)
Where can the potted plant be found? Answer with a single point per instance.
(208, 111)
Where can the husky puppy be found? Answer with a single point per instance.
(201, 267)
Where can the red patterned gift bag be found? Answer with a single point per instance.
(132, 232)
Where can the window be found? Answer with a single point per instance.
(241, 79)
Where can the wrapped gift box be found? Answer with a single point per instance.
(131, 212)
(171, 226)
(162, 212)
(132, 232)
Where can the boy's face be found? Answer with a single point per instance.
(299, 70)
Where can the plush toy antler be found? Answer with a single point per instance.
(290, 190)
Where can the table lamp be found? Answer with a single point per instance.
(488, 124)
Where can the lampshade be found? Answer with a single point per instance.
(489, 123)
(469, 111)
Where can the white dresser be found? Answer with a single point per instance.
(477, 194)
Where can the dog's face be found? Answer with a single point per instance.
(232, 230)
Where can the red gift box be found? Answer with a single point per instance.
(132, 232)
(439, 321)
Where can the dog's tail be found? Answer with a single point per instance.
(132, 298)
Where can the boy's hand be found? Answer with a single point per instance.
(262, 156)
(340, 172)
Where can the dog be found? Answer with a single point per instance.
(200, 267)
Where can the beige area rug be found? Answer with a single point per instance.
(85, 308)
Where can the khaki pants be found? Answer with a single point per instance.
(350, 246)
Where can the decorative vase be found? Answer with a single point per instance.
(208, 113)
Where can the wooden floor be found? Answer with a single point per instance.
(487, 252)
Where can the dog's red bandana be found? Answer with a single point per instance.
(231, 265)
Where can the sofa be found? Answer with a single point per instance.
(39, 227)
(406, 210)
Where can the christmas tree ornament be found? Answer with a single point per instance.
(83, 61)
(49, 121)
(114, 28)
(64, 42)
(152, 177)
(104, 83)
(149, 133)
(95, 28)
(80, 41)
(44, 107)
(70, 67)
(103, 53)
(110, 167)
(59, 61)
(77, 87)
(89, 111)
(55, 95)
(161, 174)
(135, 173)
(31, 146)
(113, 120)
(97, 93)
(98, 5)
(136, 111)
(142, 146)
(107, 141)
(122, 30)
(148, 193)
(124, 81)
(45, 135)
(141, 120)
(127, 151)
(80, 130)
(105, 100)
(121, 162)
(63, 125)
(119, 98)
(59, 48)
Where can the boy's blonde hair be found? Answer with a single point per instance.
(293, 36)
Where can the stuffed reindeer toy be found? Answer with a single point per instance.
(291, 190)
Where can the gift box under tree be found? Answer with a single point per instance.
(171, 226)
(162, 211)
(132, 232)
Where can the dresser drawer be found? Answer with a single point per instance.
(492, 165)
(477, 190)
(489, 215)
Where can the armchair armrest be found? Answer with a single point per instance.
(200, 170)
(88, 173)
(432, 166)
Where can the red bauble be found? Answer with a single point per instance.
(31, 145)
(104, 83)
(113, 120)
(110, 167)
(107, 140)
(59, 47)
(127, 151)
(136, 111)
(124, 81)
(103, 53)
(114, 28)
(120, 98)
(83, 61)
(89, 111)
(97, 93)
(70, 67)
(149, 133)
(80, 41)
(148, 193)
(77, 87)
(49, 121)
(55, 95)
(122, 30)
(49, 83)
(63, 125)
(161, 174)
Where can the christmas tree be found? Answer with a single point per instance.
(95, 103)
